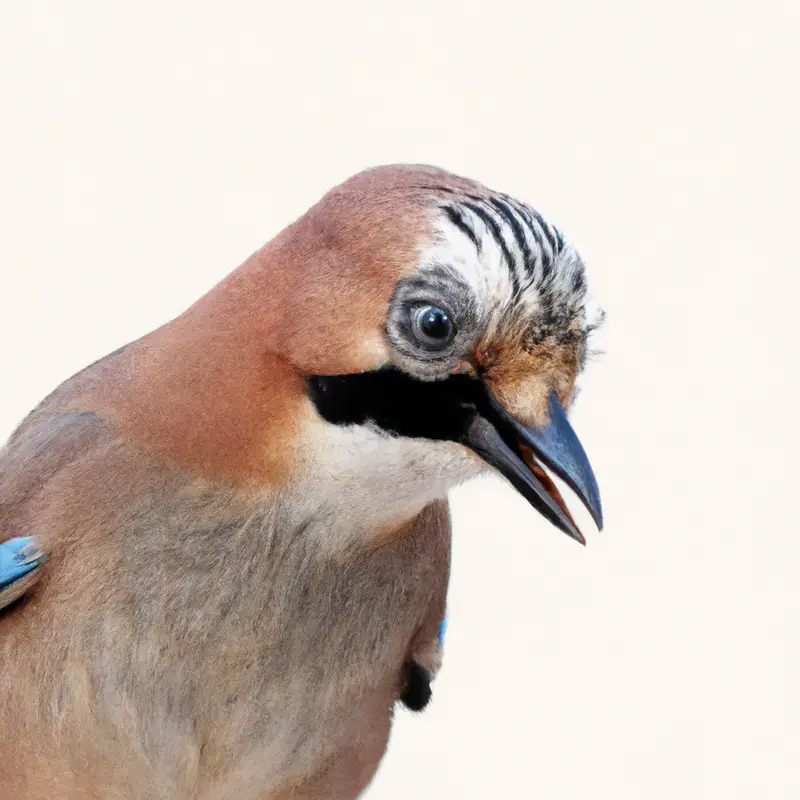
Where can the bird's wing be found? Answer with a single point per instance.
(36, 451)
(20, 560)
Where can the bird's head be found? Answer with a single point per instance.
(440, 328)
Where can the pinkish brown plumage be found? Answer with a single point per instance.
(246, 509)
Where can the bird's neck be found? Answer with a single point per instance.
(208, 392)
(219, 391)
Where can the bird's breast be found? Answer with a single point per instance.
(211, 636)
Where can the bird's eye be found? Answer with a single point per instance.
(433, 327)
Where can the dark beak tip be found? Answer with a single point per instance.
(596, 512)
(567, 526)
(559, 447)
(496, 437)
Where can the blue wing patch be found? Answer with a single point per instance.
(442, 630)
(20, 560)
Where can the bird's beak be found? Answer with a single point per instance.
(516, 451)
(462, 409)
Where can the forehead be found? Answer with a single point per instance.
(508, 254)
(394, 228)
(437, 219)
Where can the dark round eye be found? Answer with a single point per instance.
(433, 326)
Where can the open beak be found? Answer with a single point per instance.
(521, 454)
(462, 409)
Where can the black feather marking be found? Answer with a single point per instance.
(547, 261)
(417, 693)
(494, 230)
(398, 403)
(559, 238)
(545, 229)
(526, 214)
(519, 234)
(523, 212)
(457, 218)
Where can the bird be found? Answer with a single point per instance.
(244, 512)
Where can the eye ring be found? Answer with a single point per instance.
(433, 327)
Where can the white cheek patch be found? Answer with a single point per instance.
(366, 479)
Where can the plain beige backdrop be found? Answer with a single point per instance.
(147, 148)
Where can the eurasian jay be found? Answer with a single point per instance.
(245, 510)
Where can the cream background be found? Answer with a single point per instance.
(148, 148)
